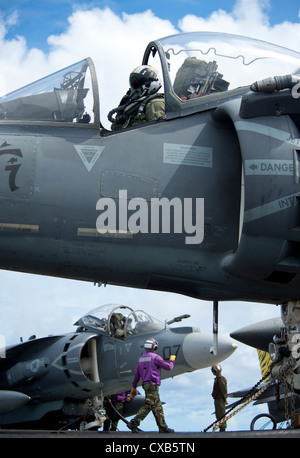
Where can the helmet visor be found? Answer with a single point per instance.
(136, 80)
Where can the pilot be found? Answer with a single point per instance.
(149, 370)
(142, 103)
(219, 394)
(117, 401)
(117, 326)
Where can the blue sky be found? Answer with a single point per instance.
(37, 38)
(37, 20)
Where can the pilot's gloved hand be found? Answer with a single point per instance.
(133, 392)
(172, 358)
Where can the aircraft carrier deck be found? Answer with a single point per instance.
(122, 438)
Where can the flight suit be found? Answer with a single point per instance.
(220, 395)
(154, 110)
(151, 109)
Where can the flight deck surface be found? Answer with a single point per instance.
(120, 437)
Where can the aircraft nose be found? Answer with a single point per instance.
(197, 349)
(259, 335)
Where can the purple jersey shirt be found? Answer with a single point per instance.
(121, 397)
(149, 368)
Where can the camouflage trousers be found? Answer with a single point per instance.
(220, 412)
(112, 419)
(152, 403)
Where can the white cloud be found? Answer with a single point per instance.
(116, 45)
(249, 18)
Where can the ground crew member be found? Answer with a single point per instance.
(219, 394)
(142, 103)
(149, 370)
(118, 401)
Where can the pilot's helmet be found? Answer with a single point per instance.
(216, 368)
(151, 345)
(144, 80)
(116, 319)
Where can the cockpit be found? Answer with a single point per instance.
(63, 96)
(199, 71)
(119, 321)
(199, 68)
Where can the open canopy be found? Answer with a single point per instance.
(69, 95)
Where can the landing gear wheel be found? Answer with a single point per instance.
(82, 426)
(262, 415)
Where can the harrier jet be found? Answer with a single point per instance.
(53, 381)
(203, 202)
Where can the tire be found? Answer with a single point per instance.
(270, 417)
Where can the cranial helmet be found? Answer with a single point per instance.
(144, 80)
(151, 345)
(216, 368)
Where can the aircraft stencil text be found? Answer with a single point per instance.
(133, 216)
(295, 91)
(12, 168)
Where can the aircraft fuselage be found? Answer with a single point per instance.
(204, 202)
(53, 177)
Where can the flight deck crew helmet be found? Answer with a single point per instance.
(151, 345)
(144, 80)
(216, 368)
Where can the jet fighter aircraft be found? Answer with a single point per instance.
(203, 202)
(53, 381)
(282, 400)
(279, 337)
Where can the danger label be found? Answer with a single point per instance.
(269, 167)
